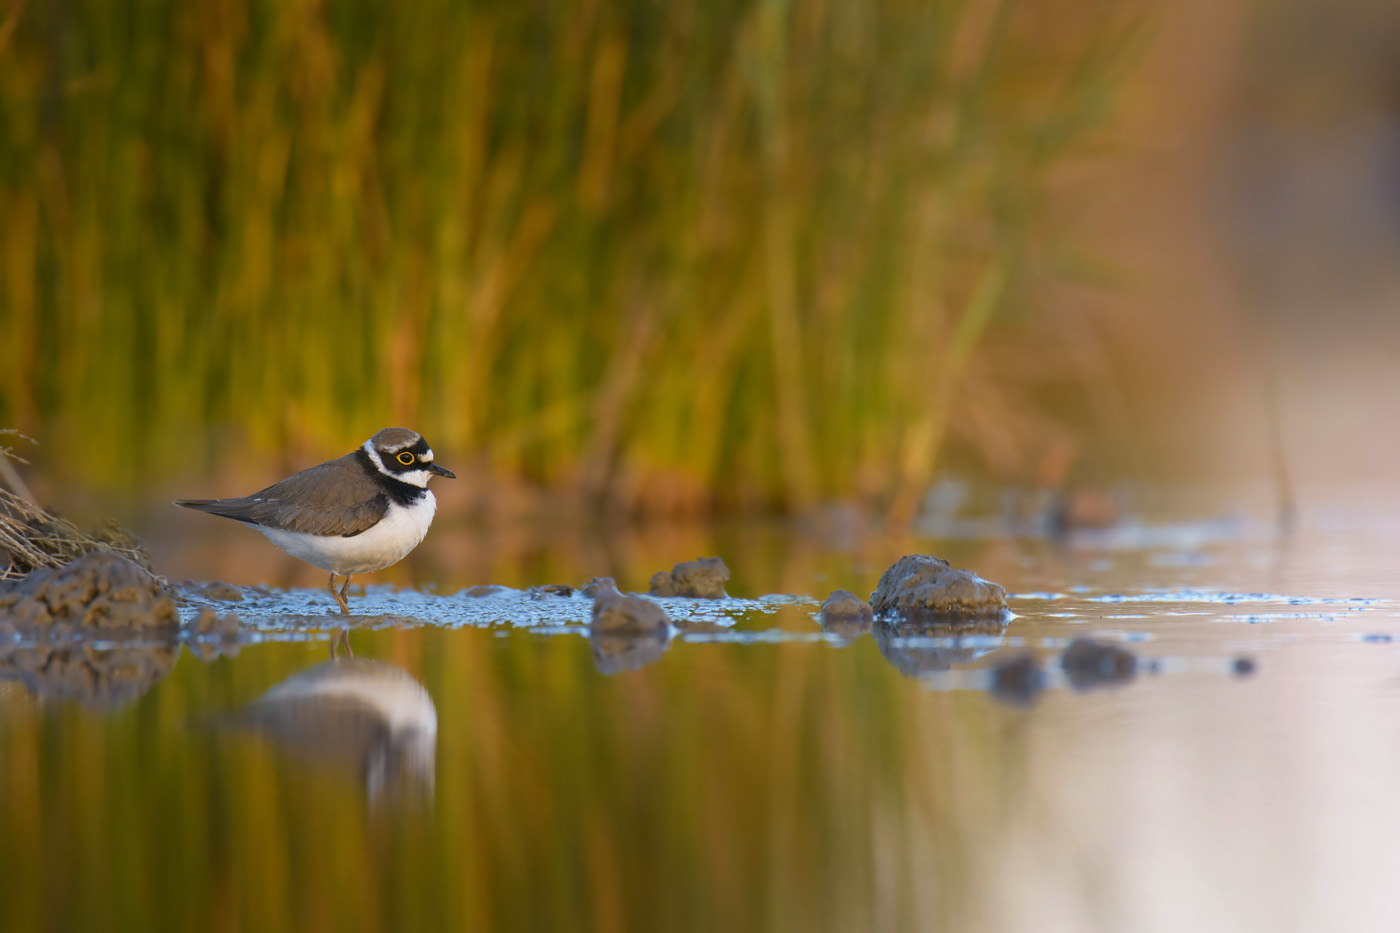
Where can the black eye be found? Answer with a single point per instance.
(405, 458)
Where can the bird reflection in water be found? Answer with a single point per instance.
(358, 715)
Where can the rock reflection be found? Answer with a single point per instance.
(915, 645)
(844, 627)
(1017, 681)
(356, 715)
(613, 654)
(626, 632)
(91, 675)
(1090, 665)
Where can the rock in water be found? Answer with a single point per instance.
(843, 604)
(599, 585)
(99, 590)
(845, 614)
(615, 614)
(550, 589)
(698, 579)
(921, 583)
(1079, 508)
(484, 590)
(215, 589)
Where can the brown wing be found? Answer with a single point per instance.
(334, 498)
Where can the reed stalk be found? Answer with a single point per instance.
(681, 256)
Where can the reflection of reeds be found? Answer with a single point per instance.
(670, 254)
(726, 787)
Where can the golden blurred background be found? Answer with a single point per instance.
(696, 258)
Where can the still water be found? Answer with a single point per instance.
(480, 764)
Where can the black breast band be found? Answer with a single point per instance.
(404, 494)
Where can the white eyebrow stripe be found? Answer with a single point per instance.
(374, 457)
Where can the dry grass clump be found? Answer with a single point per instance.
(32, 537)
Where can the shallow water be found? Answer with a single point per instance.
(753, 771)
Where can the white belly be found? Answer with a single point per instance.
(387, 543)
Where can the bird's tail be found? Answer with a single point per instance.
(199, 505)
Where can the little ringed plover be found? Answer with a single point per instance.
(355, 514)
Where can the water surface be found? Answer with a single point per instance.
(753, 771)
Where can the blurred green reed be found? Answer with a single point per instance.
(735, 253)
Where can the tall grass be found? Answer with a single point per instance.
(675, 255)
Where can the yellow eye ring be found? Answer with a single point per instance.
(405, 458)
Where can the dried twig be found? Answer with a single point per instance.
(32, 537)
(8, 474)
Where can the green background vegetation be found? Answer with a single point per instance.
(672, 255)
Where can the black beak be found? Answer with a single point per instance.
(434, 468)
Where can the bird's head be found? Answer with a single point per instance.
(404, 455)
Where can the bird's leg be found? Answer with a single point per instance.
(345, 591)
(342, 634)
(339, 597)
